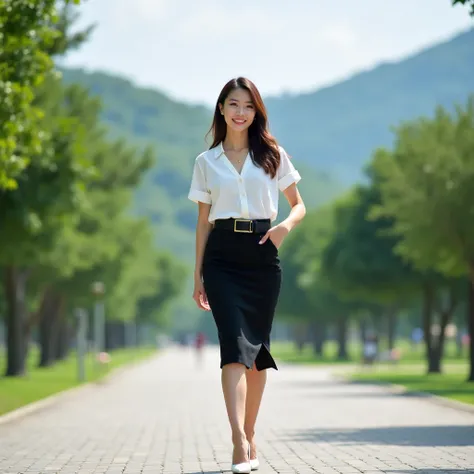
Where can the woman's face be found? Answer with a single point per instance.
(238, 110)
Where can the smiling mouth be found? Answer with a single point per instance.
(239, 122)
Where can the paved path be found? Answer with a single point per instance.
(167, 416)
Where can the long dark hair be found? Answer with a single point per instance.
(263, 146)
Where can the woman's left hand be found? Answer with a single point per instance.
(276, 234)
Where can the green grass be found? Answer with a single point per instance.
(287, 352)
(42, 382)
(450, 384)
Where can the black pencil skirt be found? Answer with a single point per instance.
(242, 279)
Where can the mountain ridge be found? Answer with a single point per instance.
(330, 133)
(450, 67)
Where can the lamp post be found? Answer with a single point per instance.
(98, 290)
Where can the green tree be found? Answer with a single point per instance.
(152, 305)
(307, 298)
(98, 242)
(52, 185)
(26, 33)
(300, 257)
(427, 187)
(360, 263)
(45, 197)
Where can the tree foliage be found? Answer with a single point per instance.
(427, 186)
(67, 223)
(26, 35)
(359, 260)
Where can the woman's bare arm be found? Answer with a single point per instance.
(203, 228)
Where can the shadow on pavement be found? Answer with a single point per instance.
(402, 435)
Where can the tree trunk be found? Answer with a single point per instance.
(123, 337)
(32, 319)
(391, 327)
(435, 343)
(43, 312)
(379, 330)
(459, 348)
(434, 361)
(363, 334)
(318, 333)
(445, 317)
(432, 354)
(15, 295)
(470, 325)
(27, 338)
(114, 332)
(299, 336)
(342, 330)
(62, 342)
(112, 335)
(64, 339)
(363, 330)
(48, 327)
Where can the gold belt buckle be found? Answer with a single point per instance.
(244, 231)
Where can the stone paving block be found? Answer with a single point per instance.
(167, 416)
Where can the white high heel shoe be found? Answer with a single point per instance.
(243, 467)
(254, 464)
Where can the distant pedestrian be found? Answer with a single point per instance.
(370, 350)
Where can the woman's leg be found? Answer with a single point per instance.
(255, 386)
(234, 387)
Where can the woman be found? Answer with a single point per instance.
(236, 184)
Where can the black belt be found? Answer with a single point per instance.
(247, 226)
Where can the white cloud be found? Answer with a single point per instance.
(340, 36)
(151, 9)
(220, 24)
(189, 48)
(142, 13)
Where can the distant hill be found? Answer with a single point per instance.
(336, 128)
(330, 133)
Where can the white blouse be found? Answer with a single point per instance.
(250, 195)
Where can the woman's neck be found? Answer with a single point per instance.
(236, 141)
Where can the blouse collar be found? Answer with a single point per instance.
(218, 151)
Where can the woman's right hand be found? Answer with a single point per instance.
(199, 295)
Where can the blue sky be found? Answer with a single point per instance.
(189, 49)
